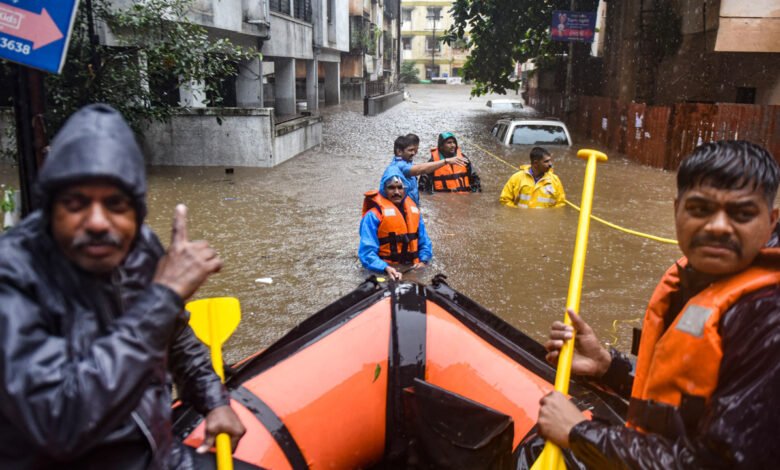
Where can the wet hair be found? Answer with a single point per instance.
(401, 143)
(537, 153)
(413, 139)
(730, 164)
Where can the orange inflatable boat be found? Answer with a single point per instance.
(396, 375)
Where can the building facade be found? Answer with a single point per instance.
(668, 51)
(370, 66)
(422, 25)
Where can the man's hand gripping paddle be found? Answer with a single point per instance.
(551, 457)
(213, 321)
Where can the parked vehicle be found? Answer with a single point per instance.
(531, 132)
(505, 104)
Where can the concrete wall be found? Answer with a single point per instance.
(195, 138)
(379, 104)
(296, 136)
(246, 137)
(290, 37)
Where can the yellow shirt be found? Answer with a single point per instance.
(522, 191)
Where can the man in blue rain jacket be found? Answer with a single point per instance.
(392, 231)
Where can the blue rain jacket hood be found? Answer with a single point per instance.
(95, 142)
(390, 173)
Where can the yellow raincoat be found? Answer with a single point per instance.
(522, 191)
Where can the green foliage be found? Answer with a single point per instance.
(6, 199)
(161, 49)
(409, 73)
(501, 33)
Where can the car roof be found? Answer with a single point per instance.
(533, 121)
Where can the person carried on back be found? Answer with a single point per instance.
(92, 325)
(704, 390)
(392, 232)
(453, 177)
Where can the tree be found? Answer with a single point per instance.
(501, 33)
(409, 73)
(160, 50)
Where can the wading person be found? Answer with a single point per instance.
(453, 177)
(535, 186)
(704, 394)
(405, 148)
(392, 232)
(92, 326)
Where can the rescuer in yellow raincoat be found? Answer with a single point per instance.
(535, 185)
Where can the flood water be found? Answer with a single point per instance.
(298, 224)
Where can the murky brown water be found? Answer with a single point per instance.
(298, 224)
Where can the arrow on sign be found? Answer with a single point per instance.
(40, 29)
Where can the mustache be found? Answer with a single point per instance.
(724, 242)
(104, 238)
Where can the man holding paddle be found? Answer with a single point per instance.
(704, 390)
(92, 326)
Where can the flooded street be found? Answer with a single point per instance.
(298, 224)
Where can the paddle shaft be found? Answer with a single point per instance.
(552, 457)
(224, 449)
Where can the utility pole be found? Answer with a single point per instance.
(434, 16)
(569, 73)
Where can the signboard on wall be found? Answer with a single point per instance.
(35, 33)
(573, 26)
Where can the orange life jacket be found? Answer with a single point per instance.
(397, 232)
(450, 177)
(677, 367)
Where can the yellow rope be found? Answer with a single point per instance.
(671, 241)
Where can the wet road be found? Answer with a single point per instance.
(298, 224)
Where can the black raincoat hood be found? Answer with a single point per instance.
(95, 142)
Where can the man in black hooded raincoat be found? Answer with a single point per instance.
(704, 392)
(92, 326)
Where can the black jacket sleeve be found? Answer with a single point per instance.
(196, 381)
(739, 426)
(189, 361)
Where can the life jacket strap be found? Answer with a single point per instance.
(667, 420)
(404, 256)
(453, 176)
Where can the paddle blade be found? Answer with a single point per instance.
(214, 320)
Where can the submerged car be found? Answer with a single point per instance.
(505, 104)
(531, 132)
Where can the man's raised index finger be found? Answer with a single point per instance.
(179, 233)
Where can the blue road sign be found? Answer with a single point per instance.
(35, 33)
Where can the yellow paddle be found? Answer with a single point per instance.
(551, 457)
(213, 321)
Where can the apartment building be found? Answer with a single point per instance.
(370, 66)
(422, 25)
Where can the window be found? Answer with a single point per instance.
(406, 15)
(746, 95)
(501, 132)
(303, 10)
(531, 134)
(330, 11)
(429, 41)
(428, 74)
(433, 18)
(407, 43)
(280, 6)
